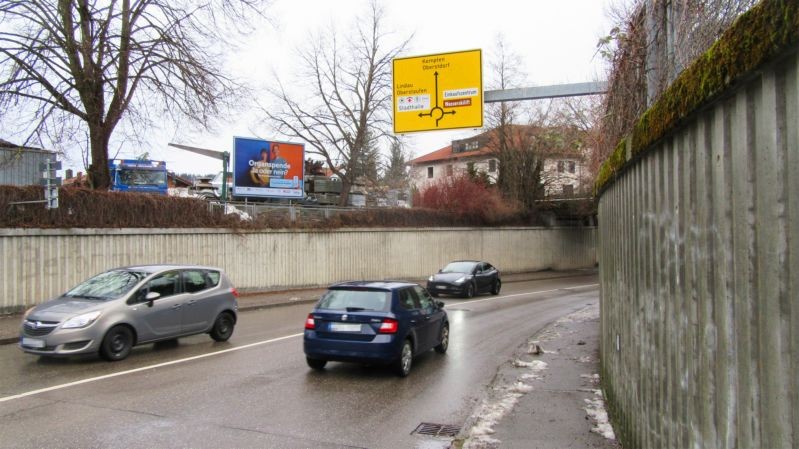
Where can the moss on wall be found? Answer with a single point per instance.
(762, 34)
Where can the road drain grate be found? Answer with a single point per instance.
(437, 430)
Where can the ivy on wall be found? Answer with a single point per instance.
(757, 37)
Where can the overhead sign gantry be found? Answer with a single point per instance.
(438, 92)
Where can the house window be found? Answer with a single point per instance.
(492, 165)
(449, 170)
(460, 146)
(568, 190)
(561, 166)
(429, 172)
(572, 166)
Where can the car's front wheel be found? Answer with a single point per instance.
(117, 343)
(403, 365)
(316, 364)
(495, 287)
(223, 327)
(469, 292)
(443, 340)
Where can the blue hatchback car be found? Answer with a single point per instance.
(385, 322)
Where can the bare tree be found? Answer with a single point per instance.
(580, 119)
(347, 107)
(519, 166)
(80, 64)
(652, 43)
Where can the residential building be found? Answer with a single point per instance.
(454, 159)
(565, 172)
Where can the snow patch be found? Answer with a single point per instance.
(491, 413)
(521, 387)
(536, 365)
(489, 416)
(530, 376)
(586, 314)
(592, 377)
(595, 408)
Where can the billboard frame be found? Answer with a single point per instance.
(293, 185)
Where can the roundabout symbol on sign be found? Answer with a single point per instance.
(436, 111)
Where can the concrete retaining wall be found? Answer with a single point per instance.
(699, 269)
(38, 264)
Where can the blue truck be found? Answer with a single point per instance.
(134, 175)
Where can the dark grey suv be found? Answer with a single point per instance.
(120, 308)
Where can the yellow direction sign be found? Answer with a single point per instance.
(437, 92)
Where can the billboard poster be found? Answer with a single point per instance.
(264, 168)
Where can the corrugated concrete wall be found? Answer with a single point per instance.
(38, 264)
(699, 268)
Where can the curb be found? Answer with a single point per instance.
(275, 305)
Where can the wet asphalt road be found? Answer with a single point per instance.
(257, 390)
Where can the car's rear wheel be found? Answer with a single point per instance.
(443, 340)
(469, 292)
(223, 327)
(117, 343)
(316, 364)
(495, 288)
(403, 365)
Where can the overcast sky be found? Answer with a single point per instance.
(556, 40)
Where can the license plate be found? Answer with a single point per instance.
(441, 287)
(32, 342)
(345, 327)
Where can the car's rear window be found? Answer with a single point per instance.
(214, 277)
(356, 300)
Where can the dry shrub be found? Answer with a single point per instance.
(85, 208)
(466, 199)
(397, 217)
(473, 205)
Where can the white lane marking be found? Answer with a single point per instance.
(524, 294)
(143, 368)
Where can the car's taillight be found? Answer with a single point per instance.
(234, 292)
(309, 322)
(389, 326)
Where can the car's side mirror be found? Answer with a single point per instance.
(152, 296)
(440, 304)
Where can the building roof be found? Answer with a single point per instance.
(4, 144)
(446, 153)
(486, 147)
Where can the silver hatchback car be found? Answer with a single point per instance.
(116, 310)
